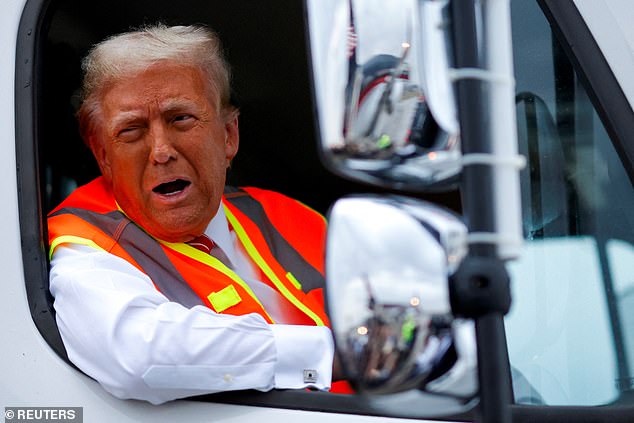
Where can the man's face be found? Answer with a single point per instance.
(165, 149)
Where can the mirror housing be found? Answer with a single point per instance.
(388, 260)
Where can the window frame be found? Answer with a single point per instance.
(595, 74)
(32, 228)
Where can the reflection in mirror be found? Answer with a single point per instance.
(384, 98)
(388, 260)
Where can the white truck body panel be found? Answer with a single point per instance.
(32, 374)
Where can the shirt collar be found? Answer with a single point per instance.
(218, 231)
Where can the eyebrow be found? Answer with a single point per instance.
(125, 117)
(172, 104)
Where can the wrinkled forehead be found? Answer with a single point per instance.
(166, 78)
(162, 85)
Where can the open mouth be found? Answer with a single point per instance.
(171, 187)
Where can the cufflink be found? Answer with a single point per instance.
(310, 376)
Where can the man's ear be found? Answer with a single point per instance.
(232, 137)
(99, 151)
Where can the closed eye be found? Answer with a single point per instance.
(183, 121)
(182, 118)
(130, 133)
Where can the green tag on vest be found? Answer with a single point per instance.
(223, 299)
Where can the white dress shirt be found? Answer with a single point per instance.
(121, 331)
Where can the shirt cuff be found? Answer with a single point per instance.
(304, 356)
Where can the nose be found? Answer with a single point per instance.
(162, 149)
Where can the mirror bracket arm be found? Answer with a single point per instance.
(480, 289)
(480, 285)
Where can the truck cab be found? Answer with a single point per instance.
(570, 330)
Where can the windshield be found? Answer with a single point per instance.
(571, 328)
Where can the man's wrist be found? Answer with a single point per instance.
(304, 356)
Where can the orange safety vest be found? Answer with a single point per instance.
(284, 238)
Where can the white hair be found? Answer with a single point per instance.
(129, 53)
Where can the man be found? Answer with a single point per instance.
(139, 307)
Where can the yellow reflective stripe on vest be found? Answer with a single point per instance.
(257, 258)
(211, 261)
(71, 239)
(294, 280)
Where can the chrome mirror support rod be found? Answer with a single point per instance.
(480, 289)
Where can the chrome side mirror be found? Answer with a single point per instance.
(388, 260)
(384, 98)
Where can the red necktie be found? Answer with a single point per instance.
(202, 243)
(206, 245)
